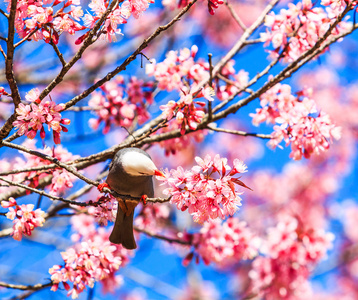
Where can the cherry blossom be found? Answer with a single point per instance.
(225, 243)
(176, 67)
(32, 117)
(25, 218)
(298, 28)
(33, 18)
(291, 252)
(93, 258)
(61, 179)
(207, 190)
(121, 104)
(178, 144)
(300, 123)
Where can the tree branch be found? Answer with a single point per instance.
(237, 132)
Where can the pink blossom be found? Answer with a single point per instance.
(31, 117)
(25, 218)
(207, 191)
(171, 73)
(291, 251)
(153, 217)
(300, 26)
(120, 104)
(172, 146)
(308, 134)
(225, 243)
(61, 180)
(92, 259)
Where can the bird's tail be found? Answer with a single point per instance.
(122, 232)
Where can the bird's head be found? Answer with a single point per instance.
(138, 164)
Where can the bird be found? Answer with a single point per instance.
(130, 173)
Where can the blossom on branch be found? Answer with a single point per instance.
(45, 23)
(300, 123)
(121, 104)
(93, 258)
(225, 243)
(32, 117)
(291, 253)
(25, 218)
(208, 189)
(178, 70)
(298, 28)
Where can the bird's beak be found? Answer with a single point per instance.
(158, 173)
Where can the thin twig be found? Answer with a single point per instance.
(235, 16)
(4, 13)
(30, 34)
(35, 287)
(210, 105)
(241, 133)
(59, 54)
(161, 237)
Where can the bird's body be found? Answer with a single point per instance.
(130, 173)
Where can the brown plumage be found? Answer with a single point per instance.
(130, 173)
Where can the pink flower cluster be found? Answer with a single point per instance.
(61, 178)
(25, 218)
(120, 104)
(300, 26)
(40, 22)
(152, 217)
(291, 253)
(178, 70)
(117, 17)
(208, 189)
(337, 6)
(32, 117)
(185, 112)
(239, 80)
(92, 259)
(88, 262)
(225, 243)
(106, 211)
(172, 146)
(301, 125)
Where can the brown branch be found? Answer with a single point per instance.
(235, 16)
(2, 52)
(4, 13)
(161, 237)
(233, 83)
(59, 54)
(35, 287)
(54, 160)
(241, 133)
(210, 105)
(9, 73)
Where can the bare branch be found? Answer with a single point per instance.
(242, 133)
(161, 237)
(235, 16)
(59, 54)
(35, 287)
(4, 13)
